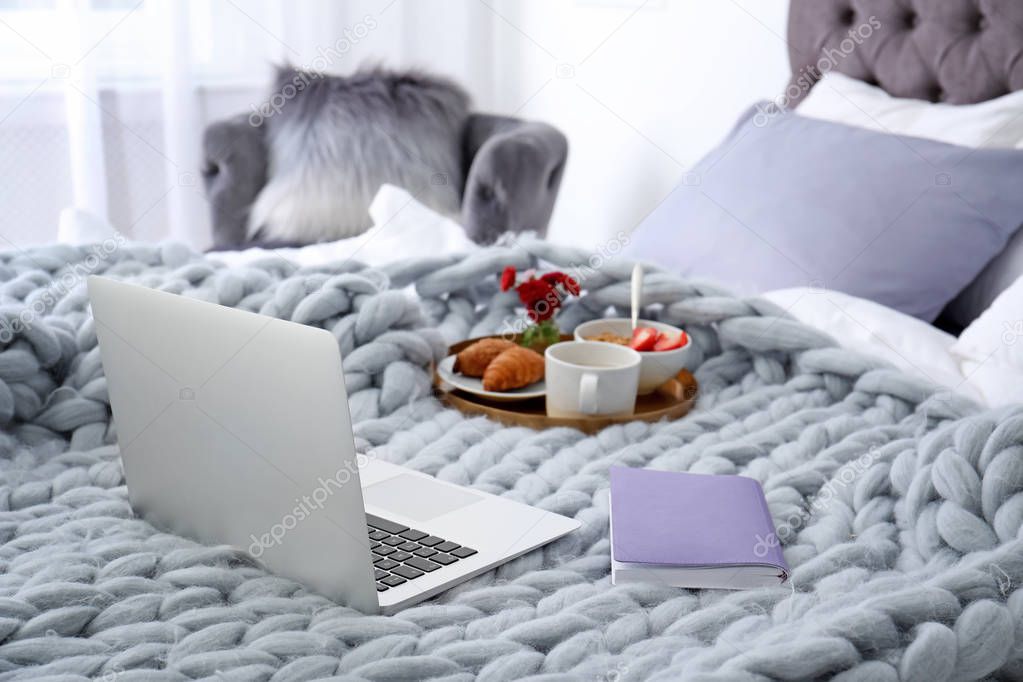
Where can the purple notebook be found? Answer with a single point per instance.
(692, 530)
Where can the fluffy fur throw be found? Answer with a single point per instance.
(336, 140)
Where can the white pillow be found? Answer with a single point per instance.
(984, 364)
(910, 344)
(996, 123)
(990, 350)
(997, 335)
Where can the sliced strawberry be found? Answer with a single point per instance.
(670, 341)
(643, 338)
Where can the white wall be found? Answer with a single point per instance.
(640, 101)
(641, 89)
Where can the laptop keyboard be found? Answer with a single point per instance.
(401, 553)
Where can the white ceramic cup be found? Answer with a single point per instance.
(588, 378)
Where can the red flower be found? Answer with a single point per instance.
(543, 309)
(540, 298)
(533, 290)
(556, 278)
(508, 278)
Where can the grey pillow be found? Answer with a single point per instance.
(789, 201)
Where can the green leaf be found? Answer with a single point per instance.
(541, 335)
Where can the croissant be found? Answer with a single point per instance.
(514, 368)
(473, 361)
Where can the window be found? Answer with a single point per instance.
(124, 40)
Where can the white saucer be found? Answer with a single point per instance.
(445, 370)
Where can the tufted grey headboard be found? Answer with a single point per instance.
(954, 51)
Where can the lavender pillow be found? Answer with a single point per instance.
(790, 201)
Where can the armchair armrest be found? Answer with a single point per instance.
(234, 171)
(514, 173)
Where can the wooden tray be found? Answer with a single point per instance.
(671, 400)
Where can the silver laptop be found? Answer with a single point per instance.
(234, 429)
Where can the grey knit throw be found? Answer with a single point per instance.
(899, 508)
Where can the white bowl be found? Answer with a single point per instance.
(656, 366)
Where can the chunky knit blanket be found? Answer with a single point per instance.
(899, 508)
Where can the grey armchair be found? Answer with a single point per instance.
(508, 171)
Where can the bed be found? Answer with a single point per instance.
(899, 504)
